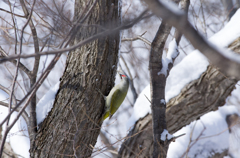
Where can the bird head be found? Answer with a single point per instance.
(122, 74)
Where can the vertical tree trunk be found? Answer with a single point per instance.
(71, 127)
(157, 87)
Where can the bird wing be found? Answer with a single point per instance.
(114, 103)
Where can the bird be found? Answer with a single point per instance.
(115, 97)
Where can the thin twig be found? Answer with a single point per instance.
(34, 35)
(148, 99)
(21, 16)
(137, 38)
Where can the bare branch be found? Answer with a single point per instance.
(138, 38)
(3, 104)
(21, 16)
(34, 34)
(32, 129)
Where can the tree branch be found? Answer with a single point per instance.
(137, 38)
(21, 16)
(33, 116)
(157, 88)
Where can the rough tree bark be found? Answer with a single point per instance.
(197, 98)
(157, 87)
(158, 83)
(71, 126)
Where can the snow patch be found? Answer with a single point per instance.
(162, 101)
(172, 50)
(165, 135)
(214, 128)
(172, 53)
(45, 104)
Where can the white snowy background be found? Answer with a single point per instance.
(189, 66)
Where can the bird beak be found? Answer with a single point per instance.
(120, 75)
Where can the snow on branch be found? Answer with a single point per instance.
(165, 135)
(171, 56)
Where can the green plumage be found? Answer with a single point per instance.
(116, 97)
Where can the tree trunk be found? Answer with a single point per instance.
(197, 98)
(71, 127)
(157, 88)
